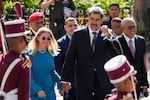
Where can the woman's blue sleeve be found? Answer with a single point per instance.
(56, 78)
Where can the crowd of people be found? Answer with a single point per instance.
(102, 61)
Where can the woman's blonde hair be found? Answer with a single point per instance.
(52, 47)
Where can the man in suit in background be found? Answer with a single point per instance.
(63, 42)
(89, 50)
(113, 11)
(116, 28)
(133, 47)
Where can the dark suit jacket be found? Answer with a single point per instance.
(63, 43)
(138, 60)
(80, 52)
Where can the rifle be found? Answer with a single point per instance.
(3, 37)
(18, 10)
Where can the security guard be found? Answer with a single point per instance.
(57, 14)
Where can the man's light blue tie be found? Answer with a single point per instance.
(131, 48)
(94, 40)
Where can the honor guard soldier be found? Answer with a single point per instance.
(121, 75)
(14, 79)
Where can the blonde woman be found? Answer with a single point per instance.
(43, 75)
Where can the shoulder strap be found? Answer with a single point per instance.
(117, 46)
(9, 69)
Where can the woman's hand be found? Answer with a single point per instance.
(41, 94)
(27, 63)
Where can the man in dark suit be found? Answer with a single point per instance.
(63, 42)
(113, 11)
(135, 54)
(89, 55)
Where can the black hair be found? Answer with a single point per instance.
(96, 10)
(114, 4)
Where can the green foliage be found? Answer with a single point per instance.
(125, 5)
(8, 9)
(31, 3)
(28, 6)
(82, 5)
(8, 5)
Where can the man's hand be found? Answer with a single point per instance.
(104, 29)
(145, 91)
(27, 63)
(61, 92)
(66, 86)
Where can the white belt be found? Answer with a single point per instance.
(11, 95)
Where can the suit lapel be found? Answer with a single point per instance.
(87, 39)
(128, 49)
(137, 45)
(67, 40)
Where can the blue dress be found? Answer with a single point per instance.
(43, 76)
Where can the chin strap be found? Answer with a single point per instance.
(134, 88)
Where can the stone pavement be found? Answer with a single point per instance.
(141, 98)
(147, 62)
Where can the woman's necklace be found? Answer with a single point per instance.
(42, 51)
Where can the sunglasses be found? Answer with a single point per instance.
(131, 27)
(46, 38)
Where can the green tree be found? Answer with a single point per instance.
(125, 5)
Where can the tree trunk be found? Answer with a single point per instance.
(142, 16)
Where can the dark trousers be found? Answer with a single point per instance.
(96, 93)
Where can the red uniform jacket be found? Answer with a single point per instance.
(18, 77)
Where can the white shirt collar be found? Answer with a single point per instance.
(91, 34)
(68, 36)
(127, 39)
(90, 30)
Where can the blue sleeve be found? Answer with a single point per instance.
(56, 78)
